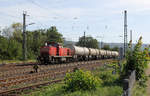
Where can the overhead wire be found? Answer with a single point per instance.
(46, 9)
(9, 15)
(36, 4)
(36, 21)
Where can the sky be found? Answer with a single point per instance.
(101, 19)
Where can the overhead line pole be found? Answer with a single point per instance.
(24, 51)
(125, 33)
(84, 39)
(131, 38)
(131, 35)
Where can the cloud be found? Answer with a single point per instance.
(37, 13)
(136, 2)
(134, 5)
(95, 13)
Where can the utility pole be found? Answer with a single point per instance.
(125, 33)
(84, 39)
(130, 35)
(131, 38)
(101, 44)
(24, 51)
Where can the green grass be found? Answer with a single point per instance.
(57, 90)
(139, 91)
(110, 86)
(15, 61)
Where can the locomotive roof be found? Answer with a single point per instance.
(49, 42)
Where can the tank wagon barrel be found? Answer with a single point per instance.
(92, 51)
(97, 52)
(76, 50)
(79, 53)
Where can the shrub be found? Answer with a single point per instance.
(108, 78)
(137, 60)
(80, 80)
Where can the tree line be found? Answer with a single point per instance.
(12, 38)
(90, 42)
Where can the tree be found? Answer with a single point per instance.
(9, 49)
(106, 47)
(7, 32)
(35, 39)
(3, 47)
(115, 48)
(53, 35)
(88, 42)
(0, 32)
(11, 41)
(17, 31)
(10, 44)
(14, 49)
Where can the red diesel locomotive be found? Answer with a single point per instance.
(53, 52)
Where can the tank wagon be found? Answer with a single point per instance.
(53, 52)
(79, 53)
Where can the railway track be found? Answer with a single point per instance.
(17, 91)
(12, 66)
(21, 70)
(52, 72)
(27, 70)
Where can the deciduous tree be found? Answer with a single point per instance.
(88, 42)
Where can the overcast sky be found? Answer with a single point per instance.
(99, 18)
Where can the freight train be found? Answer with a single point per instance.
(55, 53)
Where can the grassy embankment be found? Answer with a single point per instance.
(14, 61)
(138, 90)
(110, 87)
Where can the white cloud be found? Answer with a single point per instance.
(136, 2)
(38, 14)
(135, 5)
(95, 13)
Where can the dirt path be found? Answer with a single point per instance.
(148, 82)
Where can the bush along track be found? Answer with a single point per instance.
(137, 59)
(80, 80)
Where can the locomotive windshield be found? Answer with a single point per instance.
(51, 44)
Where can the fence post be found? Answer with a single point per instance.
(128, 84)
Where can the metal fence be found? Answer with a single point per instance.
(128, 84)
